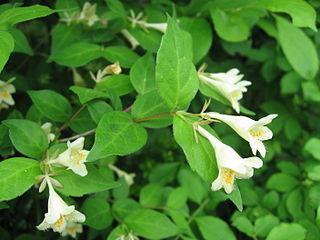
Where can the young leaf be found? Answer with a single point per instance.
(6, 47)
(119, 84)
(76, 54)
(213, 228)
(97, 180)
(51, 104)
(263, 225)
(151, 224)
(21, 14)
(151, 104)
(142, 74)
(124, 55)
(151, 195)
(17, 175)
(292, 231)
(302, 14)
(200, 156)
(117, 7)
(21, 42)
(298, 49)
(97, 211)
(117, 134)
(27, 137)
(176, 76)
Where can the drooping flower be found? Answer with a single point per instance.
(252, 131)
(72, 229)
(59, 213)
(47, 129)
(6, 89)
(230, 164)
(74, 157)
(88, 14)
(102, 75)
(138, 20)
(128, 177)
(229, 85)
(131, 39)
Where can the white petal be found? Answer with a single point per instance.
(77, 145)
(216, 184)
(79, 169)
(268, 119)
(76, 216)
(44, 225)
(228, 187)
(253, 162)
(253, 144)
(266, 134)
(261, 148)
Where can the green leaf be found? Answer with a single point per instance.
(213, 228)
(83, 122)
(282, 182)
(271, 200)
(200, 156)
(76, 54)
(201, 34)
(302, 14)
(97, 109)
(294, 204)
(192, 183)
(17, 175)
(298, 49)
(292, 128)
(124, 55)
(124, 207)
(243, 224)
(87, 94)
(151, 195)
(27, 137)
(176, 76)
(117, 134)
(51, 104)
(119, 84)
(292, 231)
(150, 104)
(21, 14)
(150, 41)
(142, 74)
(6, 47)
(230, 26)
(97, 180)
(263, 225)
(235, 197)
(177, 198)
(290, 83)
(312, 147)
(97, 211)
(150, 224)
(21, 42)
(116, 7)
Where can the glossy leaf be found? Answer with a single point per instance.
(6, 47)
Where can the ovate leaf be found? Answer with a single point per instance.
(124, 55)
(200, 156)
(176, 76)
(97, 180)
(21, 42)
(17, 175)
(117, 134)
(298, 49)
(292, 231)
(150, 224)
(87, 94)
(27, 137)
(51, 104)
(6, 47)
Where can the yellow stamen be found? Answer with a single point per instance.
(59, 222)
(78, 157)
(5, 95)
(228, 176)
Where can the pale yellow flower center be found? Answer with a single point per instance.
(59, 222)
(78, 157)
(236, 95)
(228, 176)
(257, 132)
(5, 95)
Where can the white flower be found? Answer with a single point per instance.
(72, 229)
(252, 131)
(3, 105)
(133, 41)
(162, 27)
(74, 157)
(230, 164)
(47, 129)
(228, 85)
(128, 177)
(59, 213)
(136, 20)
(6, 89)
(88, 13)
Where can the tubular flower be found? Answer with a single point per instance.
(252, 131)
(59, 213)
(128, 177)
(138, 20)
(88, 14)
(230, 164)
(74, 157)
(229, 85)
(6, 89)
(47, 129)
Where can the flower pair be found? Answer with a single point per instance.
(61, 217)
(230, 164)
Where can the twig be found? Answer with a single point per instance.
(78, 135)
(153, 116)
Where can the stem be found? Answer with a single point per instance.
(153, 116)
(127, 109)
(77, 136)
(198, 210)
(70, 120)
